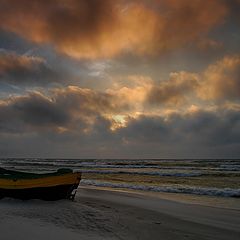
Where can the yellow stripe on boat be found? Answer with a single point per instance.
(66, 179)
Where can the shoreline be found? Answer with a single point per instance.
(231, 203)
(213, 216)
(104, 214)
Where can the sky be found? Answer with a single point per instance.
(120, 78)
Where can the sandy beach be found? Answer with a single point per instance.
(106, 214)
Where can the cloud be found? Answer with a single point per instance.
(221, 81)
(23, 113)
(69, 108)
(25, 70)
(62, 109)
(174, 91)
(193, 133)
(100, 29)
(132, 91)
(200, 128)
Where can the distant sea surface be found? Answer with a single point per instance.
(212, 177)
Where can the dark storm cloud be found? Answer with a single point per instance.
(197, 129)
(25, 70)
(22, 114)
(14, 42)
(202, 133)
(38, 110)
(64, 108)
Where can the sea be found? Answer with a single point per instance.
(210, 177)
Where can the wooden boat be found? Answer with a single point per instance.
(61, 184)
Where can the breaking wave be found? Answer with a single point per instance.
(149, 173)
(222, 192)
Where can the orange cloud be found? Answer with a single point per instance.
(98, 29)
(21, 69)
(221, 81)
(133, 92)
(12, 61)
(173, 91)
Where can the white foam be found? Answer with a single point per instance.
(223, 192)
(149, 173)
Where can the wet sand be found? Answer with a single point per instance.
(105, 214)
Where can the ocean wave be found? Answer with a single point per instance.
(230, 167)
(176, 168)
(181, 164)
(221, 192)
(188, 168)
(149, 173)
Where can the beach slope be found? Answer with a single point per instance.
(105, 214)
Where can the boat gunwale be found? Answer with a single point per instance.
(12, 174)
(71, 178)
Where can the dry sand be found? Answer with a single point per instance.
(104, 214)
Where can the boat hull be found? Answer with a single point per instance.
(45, 193)
(46, 188)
